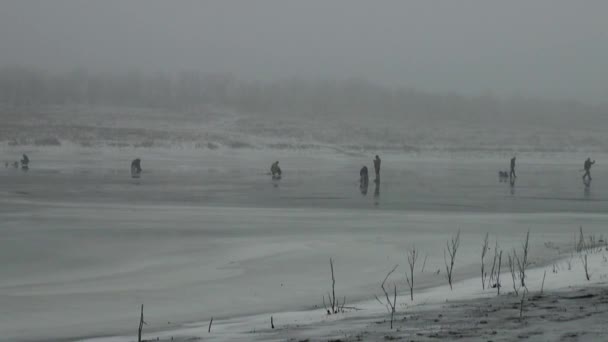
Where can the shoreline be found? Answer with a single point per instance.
(371, 322)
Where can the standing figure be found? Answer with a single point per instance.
(135, 168)
(587, 168)
(512, 174)
(275, 170)
(377, 162)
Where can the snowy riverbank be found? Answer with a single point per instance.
(570, 307)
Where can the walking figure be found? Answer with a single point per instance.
(587, 169)
(377, 162)
(512, 173)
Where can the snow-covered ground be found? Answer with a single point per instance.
(559, 304)
(206, 233)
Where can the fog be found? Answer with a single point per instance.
(137, 139)
(553, 49)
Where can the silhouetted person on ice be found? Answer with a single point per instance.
(275, 170)
(377, 162)
(363, 176)
(587, 168)
(512, 173)
(135, 167)
(363, 180)
(25, 162)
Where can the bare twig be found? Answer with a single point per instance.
(484, 250)
(412, 256)
(383, 304)
(391, 304)
(394, 304)
(512, 270)
(580, 246)
(542, 285)
(492, 275)
(521, 304)
(141, 324)
(333, 303)
(498, 285)
(210, 322)
(584, 260)
(452, 248)
(522, 263)
(333, 286)
(424, 262)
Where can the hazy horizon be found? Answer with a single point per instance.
(547, 49)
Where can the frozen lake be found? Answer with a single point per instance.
(207, 233)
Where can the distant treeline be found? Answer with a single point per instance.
(21, 86)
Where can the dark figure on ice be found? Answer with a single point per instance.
(512, 173)
(25, 162)
(587, 169)
(136, 168)
(377, 162)
(275, 170)
(502, 176)
(363, 180)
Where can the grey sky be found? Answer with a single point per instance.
(551, 48)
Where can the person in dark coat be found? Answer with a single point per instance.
(512, 173)
(275, 170)
(136, 167)
(587, 168)
(377, 162)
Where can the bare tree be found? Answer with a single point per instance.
(412, 256)
(390, 305)
(484, 250)
(141, 324)
(210, 322)
(452, 248)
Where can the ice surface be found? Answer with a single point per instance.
(207, 233)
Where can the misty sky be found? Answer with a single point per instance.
(549, 48)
